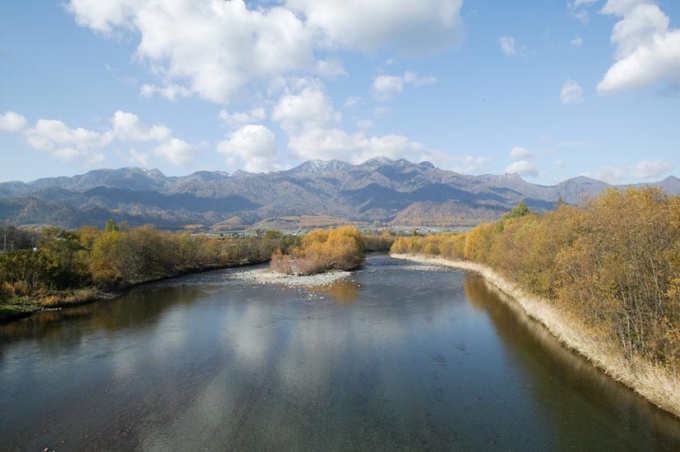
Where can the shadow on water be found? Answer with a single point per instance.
(396, 357)
(549, 364)
(139, 307)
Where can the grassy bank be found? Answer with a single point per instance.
(655, 383)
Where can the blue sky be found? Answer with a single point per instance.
(546, 89)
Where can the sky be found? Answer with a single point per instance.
(546, 89)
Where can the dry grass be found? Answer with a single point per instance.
(75, 297)
(656, 384)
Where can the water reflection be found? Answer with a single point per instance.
(344, 291)
(550, 366)
(399, 357)
(138, 307)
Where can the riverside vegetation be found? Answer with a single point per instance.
(321, 251)
(604, 277)
(56, 268)
(70, 267)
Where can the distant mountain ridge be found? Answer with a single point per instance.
(377, 191)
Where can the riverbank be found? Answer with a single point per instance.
(21, 307)
(25, 307)
(653, 383)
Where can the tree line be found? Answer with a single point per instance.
(613, 264)
(55, 266)
(59, 260)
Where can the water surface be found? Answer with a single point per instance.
(400, 356)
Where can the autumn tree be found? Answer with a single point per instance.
(323, 250)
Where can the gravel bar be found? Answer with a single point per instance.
(266, 276)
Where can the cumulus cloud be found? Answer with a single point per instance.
(133, 157)
(307, 115)
(209, 48)
(406, 26)
(523, 168)
(12, 122)
(213, 49)
(642, 170)
(253, 145)
(470, 164)
(385, 86)
(61, 141)
(518, 153)
(242, 118)
(65, 143)
(334, 143)
(571, 93)
(176, 151)
(128, 127)
(305, 105)
(577, 42)
(507, 45)
(647, 49)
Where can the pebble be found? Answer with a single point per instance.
(265, 276)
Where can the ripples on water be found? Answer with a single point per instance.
(399, 356)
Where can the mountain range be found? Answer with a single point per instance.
(378, 191)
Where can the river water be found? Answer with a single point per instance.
(399, 356)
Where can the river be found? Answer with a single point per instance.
(399, 356)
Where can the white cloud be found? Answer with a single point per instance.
(507, 44)
(307, 115)
(304, 105)
(61, 141)
(12, 122)
(578, 3)
(385, 86)
(209, 48)
(578, 9)
(330, 68)
(647, 50)
(128, 127)
(254, 146)
(518, 153)
(577, 42)
(170, 92)
(66, 143)
(571, 93)
(406, 26)
(334, 143)
(213, 49)
(364, 124)
(352, 101)
(238, 119)
(645, 169)
(176, 151)
(133, 157)
(471, 164)
(523, 168)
